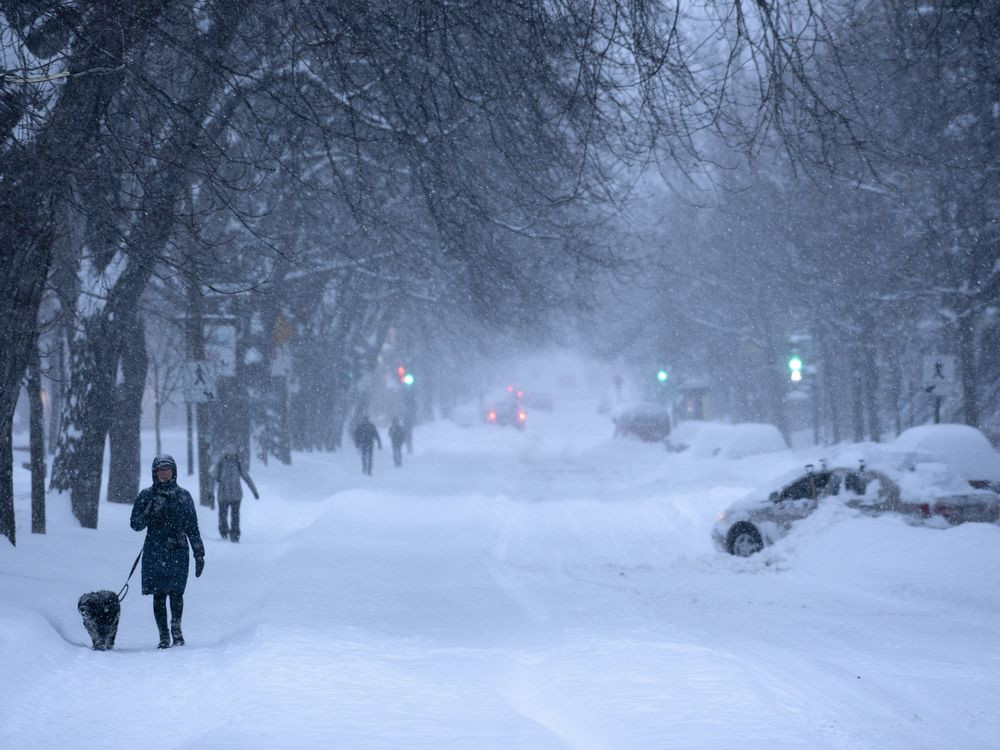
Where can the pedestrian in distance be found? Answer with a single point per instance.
(408, 433)
(365, 437)
(397, 436)
(168, 515)
(228, 473)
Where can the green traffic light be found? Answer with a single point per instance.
(408, 379)
(662, 376)
(795, 363)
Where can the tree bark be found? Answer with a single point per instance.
(196, 345)
(125, 469)
(7, 525)
(832, 372)
(871, 383)
(37, 444)
(967, 363)
(87, 418)
(57, 386)
(857, 395)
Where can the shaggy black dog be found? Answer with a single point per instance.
(100, 610)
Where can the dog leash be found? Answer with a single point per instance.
(121, 596)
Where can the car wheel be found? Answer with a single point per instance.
(744, 540)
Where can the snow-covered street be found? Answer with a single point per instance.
(554, 588)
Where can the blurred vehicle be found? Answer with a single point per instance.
(650, 423)
(508, 413)
(928, 494)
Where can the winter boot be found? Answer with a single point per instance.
(175, 631)
(164, 639)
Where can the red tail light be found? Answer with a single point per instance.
(521, 416)
(491, 416)
(925, 510)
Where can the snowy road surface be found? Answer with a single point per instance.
(551, 589)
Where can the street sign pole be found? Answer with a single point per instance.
(939, 379)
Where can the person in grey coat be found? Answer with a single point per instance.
(228, 473)
(397, 435)
(168, 514)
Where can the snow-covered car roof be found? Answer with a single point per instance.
(731, 441)
(963, 450)
(643, 409)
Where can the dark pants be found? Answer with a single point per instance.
(227, 528)
(366, 458)
(176, 611)
(397, 452)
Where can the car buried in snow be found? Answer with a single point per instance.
(650, 423)
(926, 494)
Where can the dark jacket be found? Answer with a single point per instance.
(228, 473)
(168, 513)
(365, 434)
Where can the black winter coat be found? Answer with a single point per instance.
(167, 512)
(365, 434)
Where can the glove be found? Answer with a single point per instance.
(199, 565)
(256, 496)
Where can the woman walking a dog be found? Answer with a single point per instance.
(168, 514)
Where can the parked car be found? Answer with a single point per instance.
(961, 449)
(727, 441)
(508, 413)
(928, 493)
(650, 423)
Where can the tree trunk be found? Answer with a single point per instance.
(87, 418)
(774, 380)
(967, 364)
(28, 253)
(832, 372)
(870, 382)
(125, 467)
(7, 525)
(857, 396)
(196, 345)
(157, 408)
(57, 385)
(190, 438)
(37, 444)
